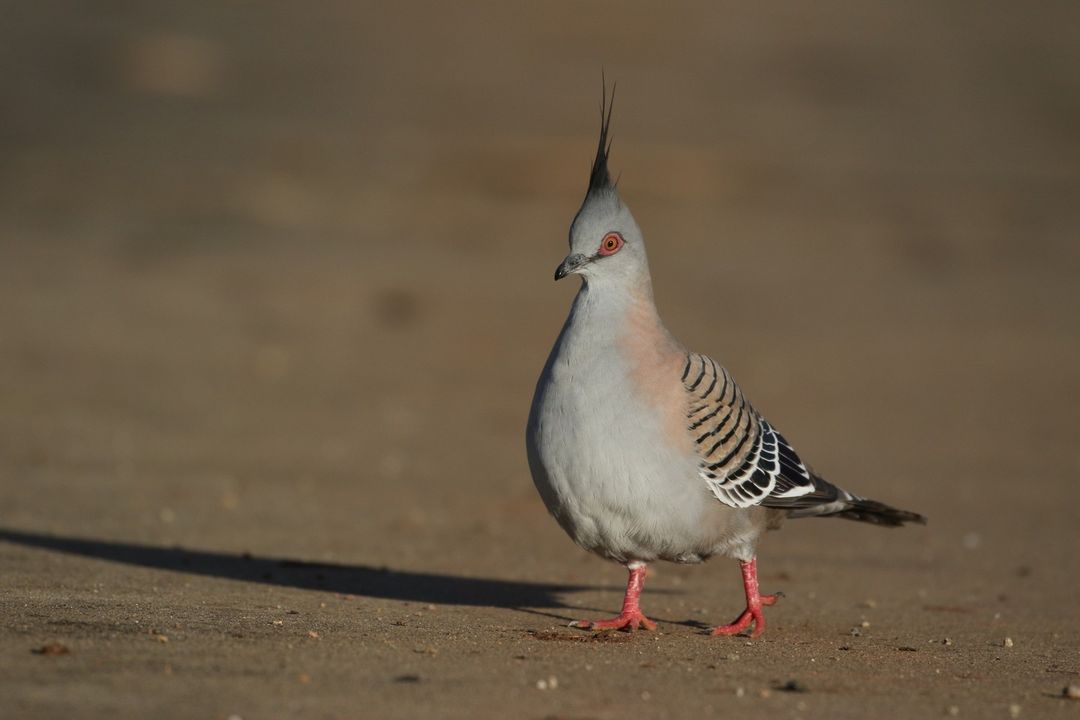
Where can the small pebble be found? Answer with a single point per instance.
(739, 692)
(1014, 710)
(1071, 691)
(855, 632)
(1007, 642)
(953, 710)
(53, 648)
(864, 624)
(947, 641)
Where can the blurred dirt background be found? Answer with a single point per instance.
(275, 288)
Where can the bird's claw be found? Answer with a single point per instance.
(626, 621)
(751, 614)
(741, 623)
(772, 599)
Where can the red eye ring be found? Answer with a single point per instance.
(611, 244)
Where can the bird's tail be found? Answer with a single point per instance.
(836, 502)
(878, 513)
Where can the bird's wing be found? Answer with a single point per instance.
(744, 460)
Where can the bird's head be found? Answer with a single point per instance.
(605, 241)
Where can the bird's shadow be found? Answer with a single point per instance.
(361, 580)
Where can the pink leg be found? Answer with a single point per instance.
(631, 616)
(754, 601)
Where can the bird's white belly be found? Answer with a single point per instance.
(599, 462)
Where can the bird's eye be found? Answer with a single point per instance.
(611, 243)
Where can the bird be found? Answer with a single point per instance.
(644, 451)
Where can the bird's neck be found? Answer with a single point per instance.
(616, 314)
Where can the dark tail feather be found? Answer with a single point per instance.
(872, 511)
(827, 500)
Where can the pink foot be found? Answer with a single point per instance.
(741, 623)
(628, 621)
(631, 617)
(754, 602)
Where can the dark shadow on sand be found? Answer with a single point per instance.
(361, 580)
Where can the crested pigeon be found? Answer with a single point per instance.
(644, 451)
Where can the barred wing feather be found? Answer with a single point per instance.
(744, 461)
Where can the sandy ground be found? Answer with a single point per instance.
(275, 287)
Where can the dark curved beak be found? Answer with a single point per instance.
(569, 265)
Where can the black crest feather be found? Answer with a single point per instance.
(600, 178)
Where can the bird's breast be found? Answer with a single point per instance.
(608, 445)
